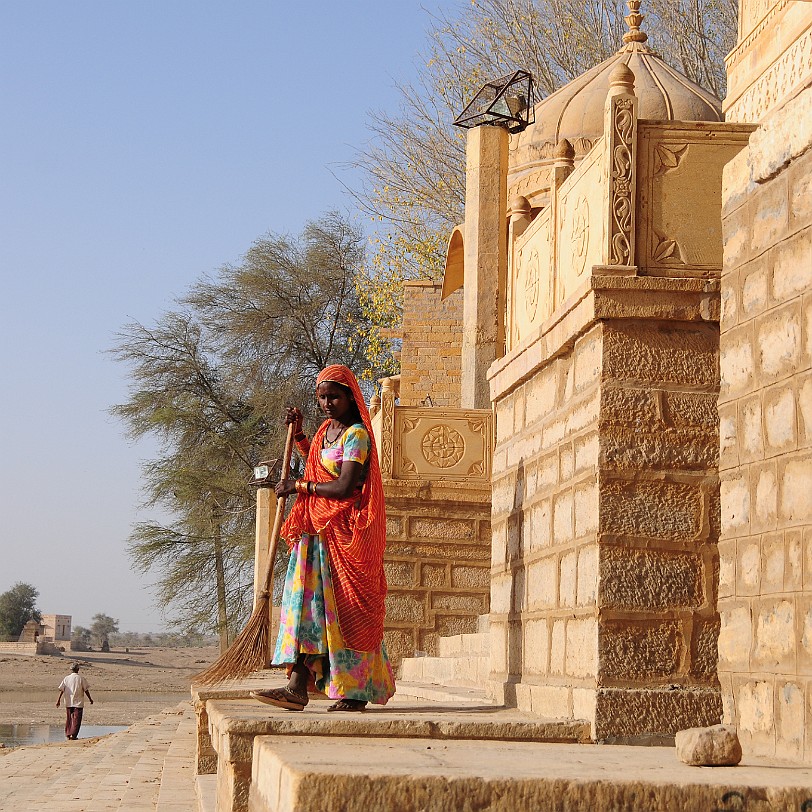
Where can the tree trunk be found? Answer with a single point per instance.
(222, 617)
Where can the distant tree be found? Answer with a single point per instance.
(101, 629)
(210, 380)
(17, 606)
(80, 639)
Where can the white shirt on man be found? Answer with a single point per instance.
(74, 687)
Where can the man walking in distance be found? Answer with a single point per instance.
(75, 688)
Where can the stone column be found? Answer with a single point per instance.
(483, 334)
(266, 502)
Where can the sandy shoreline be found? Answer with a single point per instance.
(126, 686)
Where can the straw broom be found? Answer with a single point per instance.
(251, 651)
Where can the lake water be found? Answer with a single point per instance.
(14, 735)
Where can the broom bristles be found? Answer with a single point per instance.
(248, 653)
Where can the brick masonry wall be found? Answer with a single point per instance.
(432, 345)
(605, 521)
(765, 409)
(437, 564)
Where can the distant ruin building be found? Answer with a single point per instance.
(57, 627)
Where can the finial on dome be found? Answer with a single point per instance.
(633, 20)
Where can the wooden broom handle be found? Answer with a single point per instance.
(280, 512)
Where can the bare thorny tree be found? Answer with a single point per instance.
(210, 381)
(413, 171)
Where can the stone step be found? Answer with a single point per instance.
(409, 692)
(470, 670)
(235, 724)
(359, 775)
(464, 645)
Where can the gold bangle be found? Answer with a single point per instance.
(300, 485)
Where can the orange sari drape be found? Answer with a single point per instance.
(353, 529)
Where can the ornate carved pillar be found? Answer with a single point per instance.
(621, 163)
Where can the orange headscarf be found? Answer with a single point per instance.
(354, 531)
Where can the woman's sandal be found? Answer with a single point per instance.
(281, 698)
(348, 705)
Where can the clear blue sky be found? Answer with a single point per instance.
(143, 144)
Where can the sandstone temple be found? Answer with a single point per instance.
(597, 457)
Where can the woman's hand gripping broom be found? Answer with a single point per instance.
(251, 651)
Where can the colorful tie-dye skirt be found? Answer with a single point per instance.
(309, 625)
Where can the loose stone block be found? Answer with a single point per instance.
(715, 746)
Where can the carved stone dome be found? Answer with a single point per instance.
(575, 111)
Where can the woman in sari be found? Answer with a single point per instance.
(331, 629)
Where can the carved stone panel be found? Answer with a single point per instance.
(580, 229)
(679, 230)
(442, 444)
(531, 284)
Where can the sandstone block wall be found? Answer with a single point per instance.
(605, 522)
(765, 409)
(437, 564)
(431, 351)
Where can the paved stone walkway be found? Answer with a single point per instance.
(149, 766)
